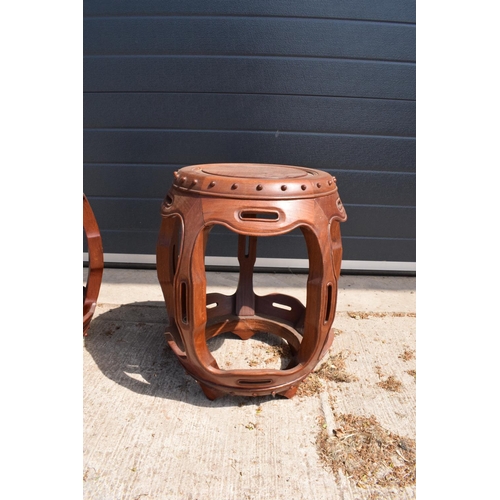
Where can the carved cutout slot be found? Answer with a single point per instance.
(259, 216)
(329, 294)
(184, 316)
(174, 256)
(282, 306)
(176, 247)
(254, 382)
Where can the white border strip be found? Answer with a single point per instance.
(347, 265)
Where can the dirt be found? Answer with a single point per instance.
(334, 369)
(391, 383)
(277, 352)
(366, 315)
(310, 386)
(269, 350)
(407, 355)
(366, 453)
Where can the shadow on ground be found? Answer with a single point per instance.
(127, 344)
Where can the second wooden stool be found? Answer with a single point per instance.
(252, 200)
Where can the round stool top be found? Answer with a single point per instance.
(254, 180)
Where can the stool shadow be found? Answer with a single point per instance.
(128, 346)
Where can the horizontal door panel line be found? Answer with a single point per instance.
(368, 172)
(372, 265)
(362, 205)
(347, 205)
(120, 164)
(179, 165)
(127, 198)
(247, 56)
(287, 235)
(133, 230)
(335, 171)
(246, 93)
(157, 200)
(248, 16)
(376, 238)
(173, 92)
(232, 131)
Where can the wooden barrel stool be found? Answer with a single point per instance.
(252, 200)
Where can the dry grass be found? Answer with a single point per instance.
(334, 369)
(277, 352)
(265, 350)
(310, 386)
(407, 355)
(391, 383)
(366, 315)
(367, 453)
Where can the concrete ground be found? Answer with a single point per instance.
(150, 433)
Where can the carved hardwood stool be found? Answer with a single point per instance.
(252, 200)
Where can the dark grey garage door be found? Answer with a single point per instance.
(323, 84)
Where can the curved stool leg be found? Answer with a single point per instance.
(167, 258)
(321, 296)
(96, 264)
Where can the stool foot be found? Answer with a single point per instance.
(210, 393)
(290, 393)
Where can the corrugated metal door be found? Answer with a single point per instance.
(322, 84)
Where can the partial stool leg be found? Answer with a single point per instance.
(245, 296)
(320, 284)
(96, 264)
(167, 257)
